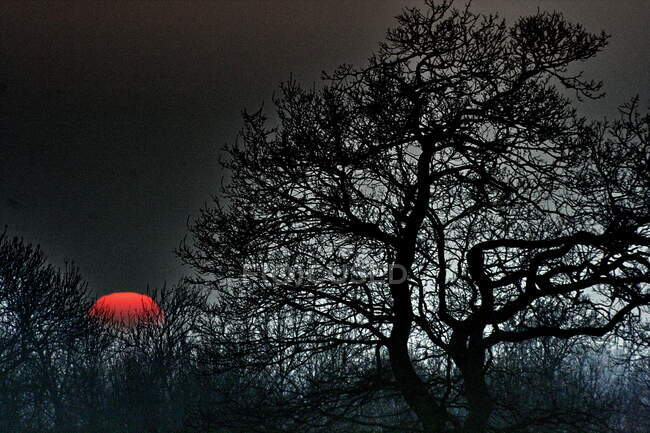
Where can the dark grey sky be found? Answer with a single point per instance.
(114, 112)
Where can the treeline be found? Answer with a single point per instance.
(61, 371)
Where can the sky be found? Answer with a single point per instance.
(113, 114)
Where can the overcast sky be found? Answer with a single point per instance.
(113, 113)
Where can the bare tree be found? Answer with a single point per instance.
(63, 370)
(148, 370)
(42, 316)
(552, 385)
(436, 204)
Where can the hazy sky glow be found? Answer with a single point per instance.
(113, 113)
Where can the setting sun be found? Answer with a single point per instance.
(127, 308)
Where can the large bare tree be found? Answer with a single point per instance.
(440, 202)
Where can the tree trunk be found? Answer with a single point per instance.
(480, 403)
(432, 415)
(469, 356)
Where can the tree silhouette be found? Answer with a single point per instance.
(64, 370)
(42, 318)
(436, 204)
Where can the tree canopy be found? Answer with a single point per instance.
(426, 211)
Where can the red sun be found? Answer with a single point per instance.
(127, 308)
